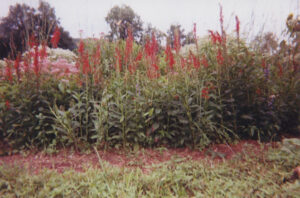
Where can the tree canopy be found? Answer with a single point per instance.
(121, 18)
(171, 34)
(24, 22)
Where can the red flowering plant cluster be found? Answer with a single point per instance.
(151, 49)
(169, 57)
(55, 37)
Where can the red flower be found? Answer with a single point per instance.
(196, 61)
(176, 97)
(221, 15)
(139, 56)
(220, 58)
(258, 91)
(263, 63)
(280, 72)
(55, 38)
(81, 48)
(7, 104)
(169, 57)
(204, 61)
(204, 93)
(151, 47)
(36, 61)
(132, 68)
(237, 25)
(215, 37)
(86, 64)
(32, 41)
(97, 55)
(26, 64)
(195, 35)
(183, 62)
(43, 51)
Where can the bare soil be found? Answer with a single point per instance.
(66, 158)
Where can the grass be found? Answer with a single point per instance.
(244, 175)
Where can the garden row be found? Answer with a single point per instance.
(125, 94)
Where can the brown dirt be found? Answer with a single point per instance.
(66, 159)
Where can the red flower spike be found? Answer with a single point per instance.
(55, 38)
(220, 58)
(7, 104)
(97, 55)
(86, 64)
(204, 61)
(26, 65)
(195, 35)
(215, 37)
(132, 68)
(237, 21)
(81, 48)
(139, 56)
(218, 37)
(194, 32)
(204, 93)
(43, 51)
(32, 41)
(263, 63)
(195, 60)
(221, 15)
(280, 72)
(36, 61)
(258, 91)
(182, 62)
(169, 57)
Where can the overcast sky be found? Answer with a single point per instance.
(88, 15)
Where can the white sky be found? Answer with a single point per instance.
(88, 15)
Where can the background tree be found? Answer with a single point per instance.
(22, 22)
(189, 38)
(119, 19)
(159, 35)
(171, 34)
(266, 43)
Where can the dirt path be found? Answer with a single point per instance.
(66, 159)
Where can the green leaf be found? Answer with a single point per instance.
(122, 118)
